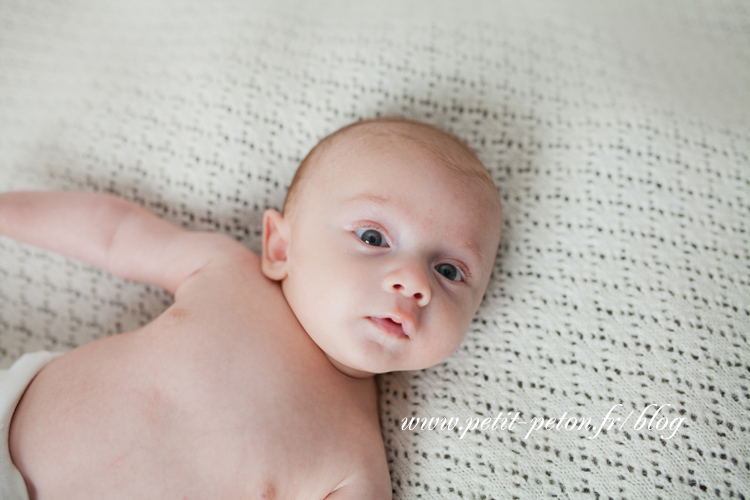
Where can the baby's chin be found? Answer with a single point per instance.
(362, 365)
(353, 370)
(369, 367)
(370, 354)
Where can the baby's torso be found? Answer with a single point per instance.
(222, 396)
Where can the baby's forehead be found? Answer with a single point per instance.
(340, 154)
(443, 151)
(383, 137)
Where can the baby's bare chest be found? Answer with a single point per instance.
(197, 406)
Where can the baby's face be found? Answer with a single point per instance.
(389, 254)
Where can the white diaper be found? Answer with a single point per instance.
(13, 383)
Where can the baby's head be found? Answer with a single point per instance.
(386, 245)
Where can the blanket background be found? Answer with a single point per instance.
(618, 134)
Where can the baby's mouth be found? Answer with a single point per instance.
(389, 326)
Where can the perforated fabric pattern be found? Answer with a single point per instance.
(618, 134)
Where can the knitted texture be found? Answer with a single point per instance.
(618, 134)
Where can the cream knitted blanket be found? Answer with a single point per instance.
(610, 357)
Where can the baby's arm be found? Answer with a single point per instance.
(110, 233)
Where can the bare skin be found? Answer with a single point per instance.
(222, 396)
(258, 381)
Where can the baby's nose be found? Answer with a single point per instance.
(410, 281)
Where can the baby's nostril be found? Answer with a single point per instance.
(417, 296)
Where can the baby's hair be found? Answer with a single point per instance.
(460, 160)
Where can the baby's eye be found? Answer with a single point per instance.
(371, 237)
(449, 271)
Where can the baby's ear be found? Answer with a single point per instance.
(275, 243)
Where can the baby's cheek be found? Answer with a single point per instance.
(432, 352)
(432, 358)
(456, 325)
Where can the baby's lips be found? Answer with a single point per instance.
(407, 324)
(391, 325)
(405, 320)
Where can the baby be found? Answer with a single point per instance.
(258, 381)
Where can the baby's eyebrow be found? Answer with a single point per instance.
(372, 198)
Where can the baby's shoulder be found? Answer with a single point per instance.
(358, 461)
(369, 479)
(216, 247)
(219, 256)
(358, 440)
